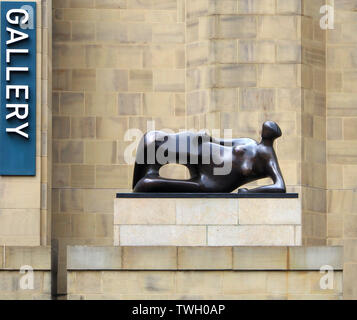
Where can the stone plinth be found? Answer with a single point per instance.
(209, 273)
(207, 220)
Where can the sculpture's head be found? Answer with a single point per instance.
(271, 130)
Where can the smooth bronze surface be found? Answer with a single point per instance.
(215, 165)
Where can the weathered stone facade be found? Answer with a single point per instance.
(186, 64)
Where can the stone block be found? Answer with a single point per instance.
(98, 200)
(288, 52)
(205, 282)
(71, 103)
(224, 99)
(168, 33)
(207, 212)
(133, 235)
(104, 227)
(129, 56)
(144, 211)
(62, 79)
(222, 6)
(150, 258)
(260, 258)
(164, 4)
(94, 258)
(83, 31)
(83, 127)
(136, 282)
(278, 27)
(257, 235)
(39, 258)
(83, 225)
(82, 176)
(289, 6)
(278, 75)
(256, 6)
(204, 258)
(237, 27)
(350, 251)
(101, 104)
(129, 104)
(140, 80)
(198, 53)
(112, 80)
(224, 51)
(256, 99)
(158, 104)
(68, 55)
(350, 128)
(71, 151)
(350, 226)
(85, 282)
(61, 31)
(81, 3)
(111, 176)
(313, 258)
(112, 128)
(61, 176)
(84, 80)
(236, 76)
(244, 282)
(299, 283)
(2, 257)
(100, 152)
(110, 4)
(28, 198)
(98, 56)
(162, 16)
(256, 51)
(61, 127)
(270, 211)
(71, 200)
(111, 32)
(139, 32)
(169, 80)
(349, 281)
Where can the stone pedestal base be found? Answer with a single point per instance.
(207, 220)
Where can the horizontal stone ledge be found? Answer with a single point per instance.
(204, 258)
(208, 195)
(15, 258)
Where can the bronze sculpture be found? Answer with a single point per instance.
(204, 156)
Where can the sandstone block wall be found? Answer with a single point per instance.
(342, 138)
(202, 64)
(313, 124)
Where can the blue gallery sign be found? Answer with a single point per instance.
(18, 89)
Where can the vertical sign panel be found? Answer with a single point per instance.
(18, 89)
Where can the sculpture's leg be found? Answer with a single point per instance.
(158, 184)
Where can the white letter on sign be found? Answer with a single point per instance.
(9, 51)
(17, 20)
(18, 130)
(14, 69)
(13, 39)
(16, 113)
(17, 91)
